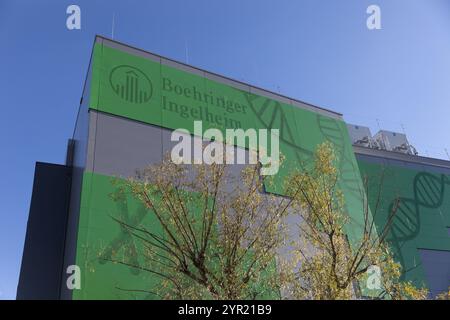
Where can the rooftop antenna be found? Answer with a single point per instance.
(255, 69)
(112, 27)
(186, 51)
(446, 151)
(404, 132)
(378, 124)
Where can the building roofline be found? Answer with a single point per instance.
(180, 65)
(391, 155)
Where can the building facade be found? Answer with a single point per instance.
(133, 100)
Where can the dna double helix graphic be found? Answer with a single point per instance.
(428, 190)
(349, 179)
(271, 114)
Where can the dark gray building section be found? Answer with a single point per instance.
(436, 263)
(42, 260)
(120, 147)
(77, 157)
(401, 159)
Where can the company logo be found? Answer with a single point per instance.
(131, 84)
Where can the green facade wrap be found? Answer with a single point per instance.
(422, 219)
(151, 92)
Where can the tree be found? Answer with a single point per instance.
(220, 235)
(218, 231)
(324, 265)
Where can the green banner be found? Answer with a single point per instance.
(423, 215)
(151, 92)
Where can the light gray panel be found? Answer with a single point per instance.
(123, 146)
(293, 220)
(233, 171)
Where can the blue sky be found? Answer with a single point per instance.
(318, 51)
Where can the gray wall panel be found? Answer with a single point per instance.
(436, 264)
(123, 146)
